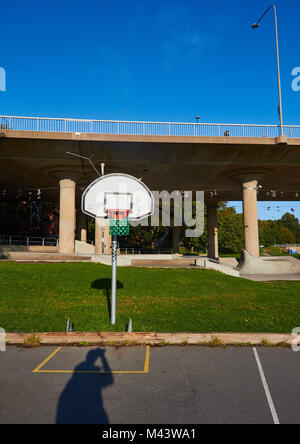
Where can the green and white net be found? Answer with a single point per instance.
(119, 222)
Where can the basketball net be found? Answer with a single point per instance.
(119, 222)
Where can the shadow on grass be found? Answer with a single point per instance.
(105, 286)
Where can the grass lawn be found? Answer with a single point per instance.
(42, 297)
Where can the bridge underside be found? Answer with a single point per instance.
(35, 160)
(31, 160)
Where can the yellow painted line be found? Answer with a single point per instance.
(147, 359)
(92, 373)
(37, 369)
(137, 372)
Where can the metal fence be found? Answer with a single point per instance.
(129, 251)
(144, 128)
(28, 241)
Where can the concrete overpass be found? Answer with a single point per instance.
(228, 162)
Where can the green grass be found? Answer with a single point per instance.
(236, 255)
(42, 297)
(32, 341)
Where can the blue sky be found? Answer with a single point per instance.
(164, 60)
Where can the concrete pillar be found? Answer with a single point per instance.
(106, 238)
(98, 236)
(176, 232)
(102, 237)
(251, 217)
(212, 232)
(81, 225)
(67, 216)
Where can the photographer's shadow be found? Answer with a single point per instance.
(81, 401)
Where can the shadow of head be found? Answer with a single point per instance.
(94, 355)
(95, 360)
(105, 284)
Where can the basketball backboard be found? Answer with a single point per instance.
(118, 192)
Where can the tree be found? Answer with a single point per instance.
(272, 232)
(231, 235)
(291, 222)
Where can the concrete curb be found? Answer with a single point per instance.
(153, 338)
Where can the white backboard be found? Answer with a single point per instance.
(118, 191)
(120, 201)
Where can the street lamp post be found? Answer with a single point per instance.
(255, 26)
(195, 126)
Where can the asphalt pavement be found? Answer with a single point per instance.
(143, 385)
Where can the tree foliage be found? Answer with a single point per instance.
(283, 231)
(230, 227)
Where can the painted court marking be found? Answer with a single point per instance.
(266, 388)
(38, 369)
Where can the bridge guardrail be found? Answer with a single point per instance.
(41, 124)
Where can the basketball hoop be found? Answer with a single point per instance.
(118, 198)
(119, 222)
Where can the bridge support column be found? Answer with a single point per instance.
(67, 216)
(102, 237)
(81, 228)
(98, 237)
(106, 238)
(212, 231)
(251, 217)
(176, 232)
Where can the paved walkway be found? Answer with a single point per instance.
(272, 277)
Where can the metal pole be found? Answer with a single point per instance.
(278, 71)
(255, 26)
(114, 260)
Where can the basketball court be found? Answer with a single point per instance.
(144, 385)
(165, 385)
